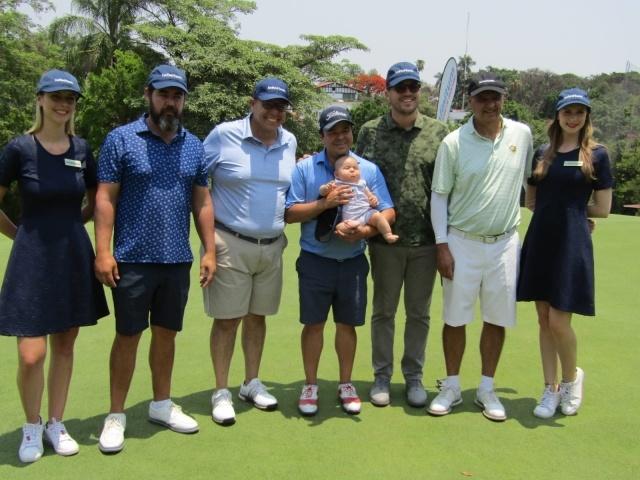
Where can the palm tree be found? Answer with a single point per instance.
(91, 37)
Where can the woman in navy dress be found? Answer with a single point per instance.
(49, 288)
(571, 181)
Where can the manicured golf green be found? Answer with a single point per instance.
(398, 441)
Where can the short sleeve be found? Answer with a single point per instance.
(9, 164)
(444, 170)
(202, 175)
(602, 169)
(297, 192)
(212, 150)
(109, 161)
(380, 190)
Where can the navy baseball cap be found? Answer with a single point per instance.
(399, 72)
(572, 96)
(57, 80)
(486, 81)
(166, 76)
(271, 89)
(333, 115)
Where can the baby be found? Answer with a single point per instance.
(360, 209)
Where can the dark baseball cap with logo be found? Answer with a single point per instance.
(486, 81)
(401, 71)
(167, 76)
(56, 81)
(271, 89)
(572, 96)
(333, 115)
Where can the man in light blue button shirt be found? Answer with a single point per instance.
(250, 162)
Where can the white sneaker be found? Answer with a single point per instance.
(449, 397)
(112, 436)
(490, 405)
(571, 394)
(56, 434)
(222, 407)
(308, 401)
(349, 399)
(548, 404)
(31, 448)
(255, 392)
(171, 416)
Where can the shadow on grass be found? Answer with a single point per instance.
(85, 431)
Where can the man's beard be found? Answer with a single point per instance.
(168, 119)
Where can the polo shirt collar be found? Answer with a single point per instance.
(248, 134)
(470, 129)
(140, 126)
(321, 158)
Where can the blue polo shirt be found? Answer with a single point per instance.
(249, 179)
(308, 176)
(156, 185)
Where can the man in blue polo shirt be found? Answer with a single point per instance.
(152, 175)
(250, 162)
(332, 274)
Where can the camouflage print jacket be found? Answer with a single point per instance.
(406, 159)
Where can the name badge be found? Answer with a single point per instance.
(70, 162)
(573, 163)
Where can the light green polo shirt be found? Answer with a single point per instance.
(483, 178)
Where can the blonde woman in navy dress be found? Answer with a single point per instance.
(570, 184)
(49, 288)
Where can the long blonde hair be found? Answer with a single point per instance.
(38, 121)
(585, 141)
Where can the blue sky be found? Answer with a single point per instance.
(564, 36)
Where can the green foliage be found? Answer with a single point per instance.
(627, 174)
(112, 97)
(368, 109)
(25, 54)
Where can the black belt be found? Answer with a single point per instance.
(257, 241)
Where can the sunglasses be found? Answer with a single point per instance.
(273, 105)
(403, 87)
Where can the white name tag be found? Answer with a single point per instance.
(573, 163)
(70, 162)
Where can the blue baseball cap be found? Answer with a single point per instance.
(166, 76)
(271, 89)
(572, 96)
(399, 72)
(56, 81)
(333, 115)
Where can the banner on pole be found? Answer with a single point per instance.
(448, 82)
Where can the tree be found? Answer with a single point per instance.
(368, 109)
(223, 69)
(92, 37)
(370, 84)
(112, 97)
(25, 54)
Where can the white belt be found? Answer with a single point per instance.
(482, 238)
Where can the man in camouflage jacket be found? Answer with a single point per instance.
(403, 143)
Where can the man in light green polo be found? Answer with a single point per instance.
(475, 210)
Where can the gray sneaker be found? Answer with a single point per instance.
(379, 393)
(416, 394)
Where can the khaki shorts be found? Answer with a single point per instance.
(248, 278)
(485, 270)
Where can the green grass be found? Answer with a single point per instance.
(395, 442)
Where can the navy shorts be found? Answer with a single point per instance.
(156, 291)
(325, 283)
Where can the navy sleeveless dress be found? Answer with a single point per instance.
(556, 263)
(49, 284)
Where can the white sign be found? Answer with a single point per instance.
(448, 82)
